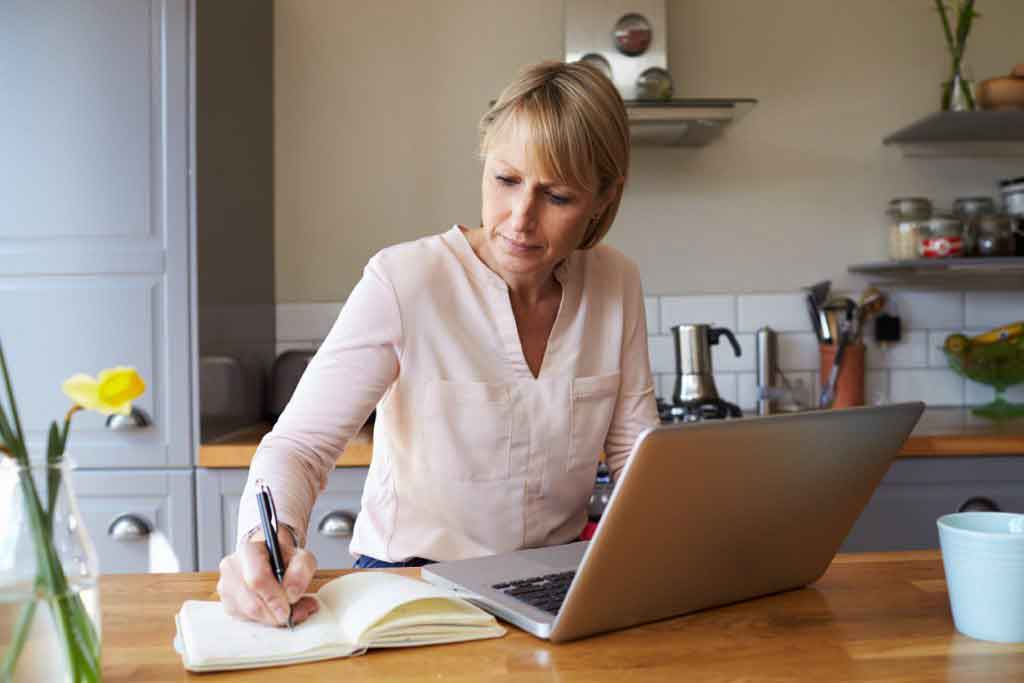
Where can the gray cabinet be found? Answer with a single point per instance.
(917, 491)
(330, 526)
(139, 520)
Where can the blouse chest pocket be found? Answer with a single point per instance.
(593, 403)
(468, 430)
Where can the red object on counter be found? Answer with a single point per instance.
(588, 531)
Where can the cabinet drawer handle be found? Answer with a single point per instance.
(128, 527)
(337, 524)
(138, 419)
(979, 504)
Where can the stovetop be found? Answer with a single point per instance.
(696, 411)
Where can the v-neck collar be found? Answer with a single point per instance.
(515, 359)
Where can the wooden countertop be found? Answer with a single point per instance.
(872, 617)
(941, 432)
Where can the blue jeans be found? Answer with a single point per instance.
(367, 562)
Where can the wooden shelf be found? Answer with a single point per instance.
(963, 134)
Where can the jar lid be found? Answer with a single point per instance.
(1011, 181)
(910, 206)
(973, 206)
(944, 223)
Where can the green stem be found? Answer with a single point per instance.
(945, 27)
(18, 642)
(70, 617)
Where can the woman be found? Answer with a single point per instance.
(501, 360)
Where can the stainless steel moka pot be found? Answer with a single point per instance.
(694, 378)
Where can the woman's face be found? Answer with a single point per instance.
(531, 222)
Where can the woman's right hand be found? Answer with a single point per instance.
(249, 589)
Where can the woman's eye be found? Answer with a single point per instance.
(505, 180)
(557, 198)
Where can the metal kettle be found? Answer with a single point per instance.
(694, 378)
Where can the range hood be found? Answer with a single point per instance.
(628, 40)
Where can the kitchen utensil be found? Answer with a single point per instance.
(872, 301)
(817, 294)
(842, 375)
(694, 378)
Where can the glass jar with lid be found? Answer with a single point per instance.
(942, 236)
(969, 210)
(906, 215)
(995, 235)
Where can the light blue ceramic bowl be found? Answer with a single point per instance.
(983, 555)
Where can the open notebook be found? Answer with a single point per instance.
(357, 611)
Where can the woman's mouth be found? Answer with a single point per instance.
(519, 247)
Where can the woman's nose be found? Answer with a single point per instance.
(525, 209)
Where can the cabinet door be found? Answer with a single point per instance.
(94, 216)
(139, 521)
(330, 525)
(902, 513)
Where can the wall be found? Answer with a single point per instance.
(376, 106)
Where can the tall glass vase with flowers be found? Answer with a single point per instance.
(957, 92)
(49, 600)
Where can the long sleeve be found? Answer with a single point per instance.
(636, 409)
(348, 375)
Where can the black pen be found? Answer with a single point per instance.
(268, 518)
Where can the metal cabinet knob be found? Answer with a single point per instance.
(337, 524)
(979, 504)
(129, 528)
(138, 419)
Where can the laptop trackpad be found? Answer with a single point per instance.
(559, 557)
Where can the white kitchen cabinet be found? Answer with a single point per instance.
(135, 516)
(218, 492)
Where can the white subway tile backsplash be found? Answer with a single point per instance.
(934, 387)
(651, 309)
(746, 389)
(798, 351)
(302, 322)
(928, 310)
(976, 393)
(726, 385)
(936, 338)
(992, 309)
(719, 311)
(724, 359)
(911, 352)
(781, 312)
(876, 387)
(663, 357)
(914, 369)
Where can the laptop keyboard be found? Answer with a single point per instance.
(546, 592)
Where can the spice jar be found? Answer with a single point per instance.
(942, 236)
(968, 210)
(906, 214)
(995, 235)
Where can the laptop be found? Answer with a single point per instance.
(703, 515)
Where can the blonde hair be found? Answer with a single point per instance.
(578, 130)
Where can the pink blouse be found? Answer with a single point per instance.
(472, 455)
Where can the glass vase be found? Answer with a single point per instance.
(958, 91)
(50, 626)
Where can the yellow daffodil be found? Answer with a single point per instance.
(111, 392)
